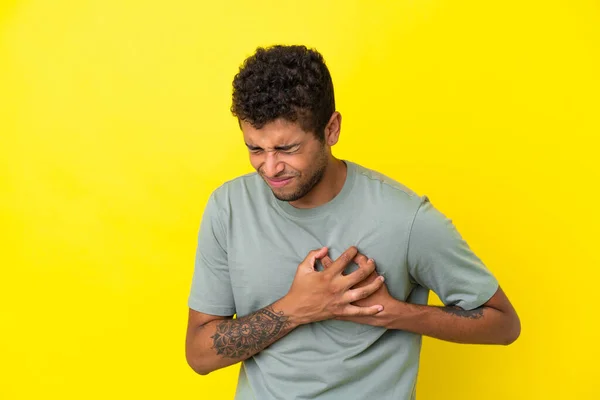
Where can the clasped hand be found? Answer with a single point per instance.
(329, 294)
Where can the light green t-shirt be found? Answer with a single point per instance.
(250, 245)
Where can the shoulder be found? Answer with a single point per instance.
(383, 189)
(376, 176)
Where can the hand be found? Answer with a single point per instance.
(380, 297)
(316, 296)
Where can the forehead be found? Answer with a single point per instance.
(276, 133)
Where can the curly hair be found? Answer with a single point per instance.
(289, 82)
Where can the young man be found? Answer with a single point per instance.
(299, 249)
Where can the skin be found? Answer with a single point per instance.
(279, 151)
(282, 149)
(495, 322)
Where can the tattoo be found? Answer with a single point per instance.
(248, 335)
(473, 314)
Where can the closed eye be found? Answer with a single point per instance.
(288, 149)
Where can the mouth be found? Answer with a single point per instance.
(279, 182)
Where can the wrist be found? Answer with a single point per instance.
(288, 307)
(397, 313)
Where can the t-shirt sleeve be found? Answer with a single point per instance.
(211, 291)
(441, 260)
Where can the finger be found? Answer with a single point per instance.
(338, 266)
(363, 292)
(355, 311)
(359, 275)
(312, 257)
(360, 259)
(326, 261)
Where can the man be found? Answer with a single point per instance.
(299, 251)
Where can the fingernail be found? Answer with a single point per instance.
(371, 260)
(381, 278)
(380, 308)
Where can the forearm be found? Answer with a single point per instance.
(483, 325)
(221, 343)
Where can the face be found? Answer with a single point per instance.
(290, 160)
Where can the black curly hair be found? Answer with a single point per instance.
(290, 82)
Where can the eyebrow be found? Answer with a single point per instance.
(281, 148)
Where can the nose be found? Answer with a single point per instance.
(272, 166)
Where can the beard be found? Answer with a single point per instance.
(306, 185)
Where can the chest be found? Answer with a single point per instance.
(264, 252)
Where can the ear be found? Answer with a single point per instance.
(332, 130)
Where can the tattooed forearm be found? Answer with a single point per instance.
(243, 337)
(474, 314)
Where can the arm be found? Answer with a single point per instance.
(438, 258)
(214, 339)
(215, 342)
(495, 322)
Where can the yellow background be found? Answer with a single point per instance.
(115, 128)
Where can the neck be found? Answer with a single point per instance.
(328, 187)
